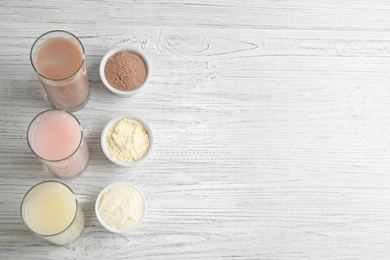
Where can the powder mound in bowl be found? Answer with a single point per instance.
(121, 207)
(127, 140)
(125, 71)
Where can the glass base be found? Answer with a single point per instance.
(74, 176)
(73, 109)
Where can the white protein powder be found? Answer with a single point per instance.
(127, 140)
(121, 207)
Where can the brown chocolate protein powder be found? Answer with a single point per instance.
(125, 71)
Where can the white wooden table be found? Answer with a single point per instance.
(271, 120)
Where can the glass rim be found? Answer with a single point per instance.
(59, 160)
(54, 31)
(71, 223)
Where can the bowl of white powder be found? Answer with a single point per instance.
(120, 207)
(127, 140)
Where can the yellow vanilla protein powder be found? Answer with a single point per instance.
(127, 140)
(121, 206)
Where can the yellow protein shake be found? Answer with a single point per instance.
(51, 211)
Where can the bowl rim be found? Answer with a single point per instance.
(103, 65)
(114, 121)
(106, 226)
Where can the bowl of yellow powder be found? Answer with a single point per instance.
(120, 207)
(127, 140)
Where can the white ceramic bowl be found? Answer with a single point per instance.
(115, 91)
(119, 231)
(111, 124)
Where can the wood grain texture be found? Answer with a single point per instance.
(271, 122)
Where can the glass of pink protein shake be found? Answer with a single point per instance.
(56, 138)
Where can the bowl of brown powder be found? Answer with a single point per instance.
(127, 140)
(124, 71)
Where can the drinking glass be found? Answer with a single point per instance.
(74, 162)
(72, 92)
(33, 201)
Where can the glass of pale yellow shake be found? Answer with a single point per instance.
(51, 211)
